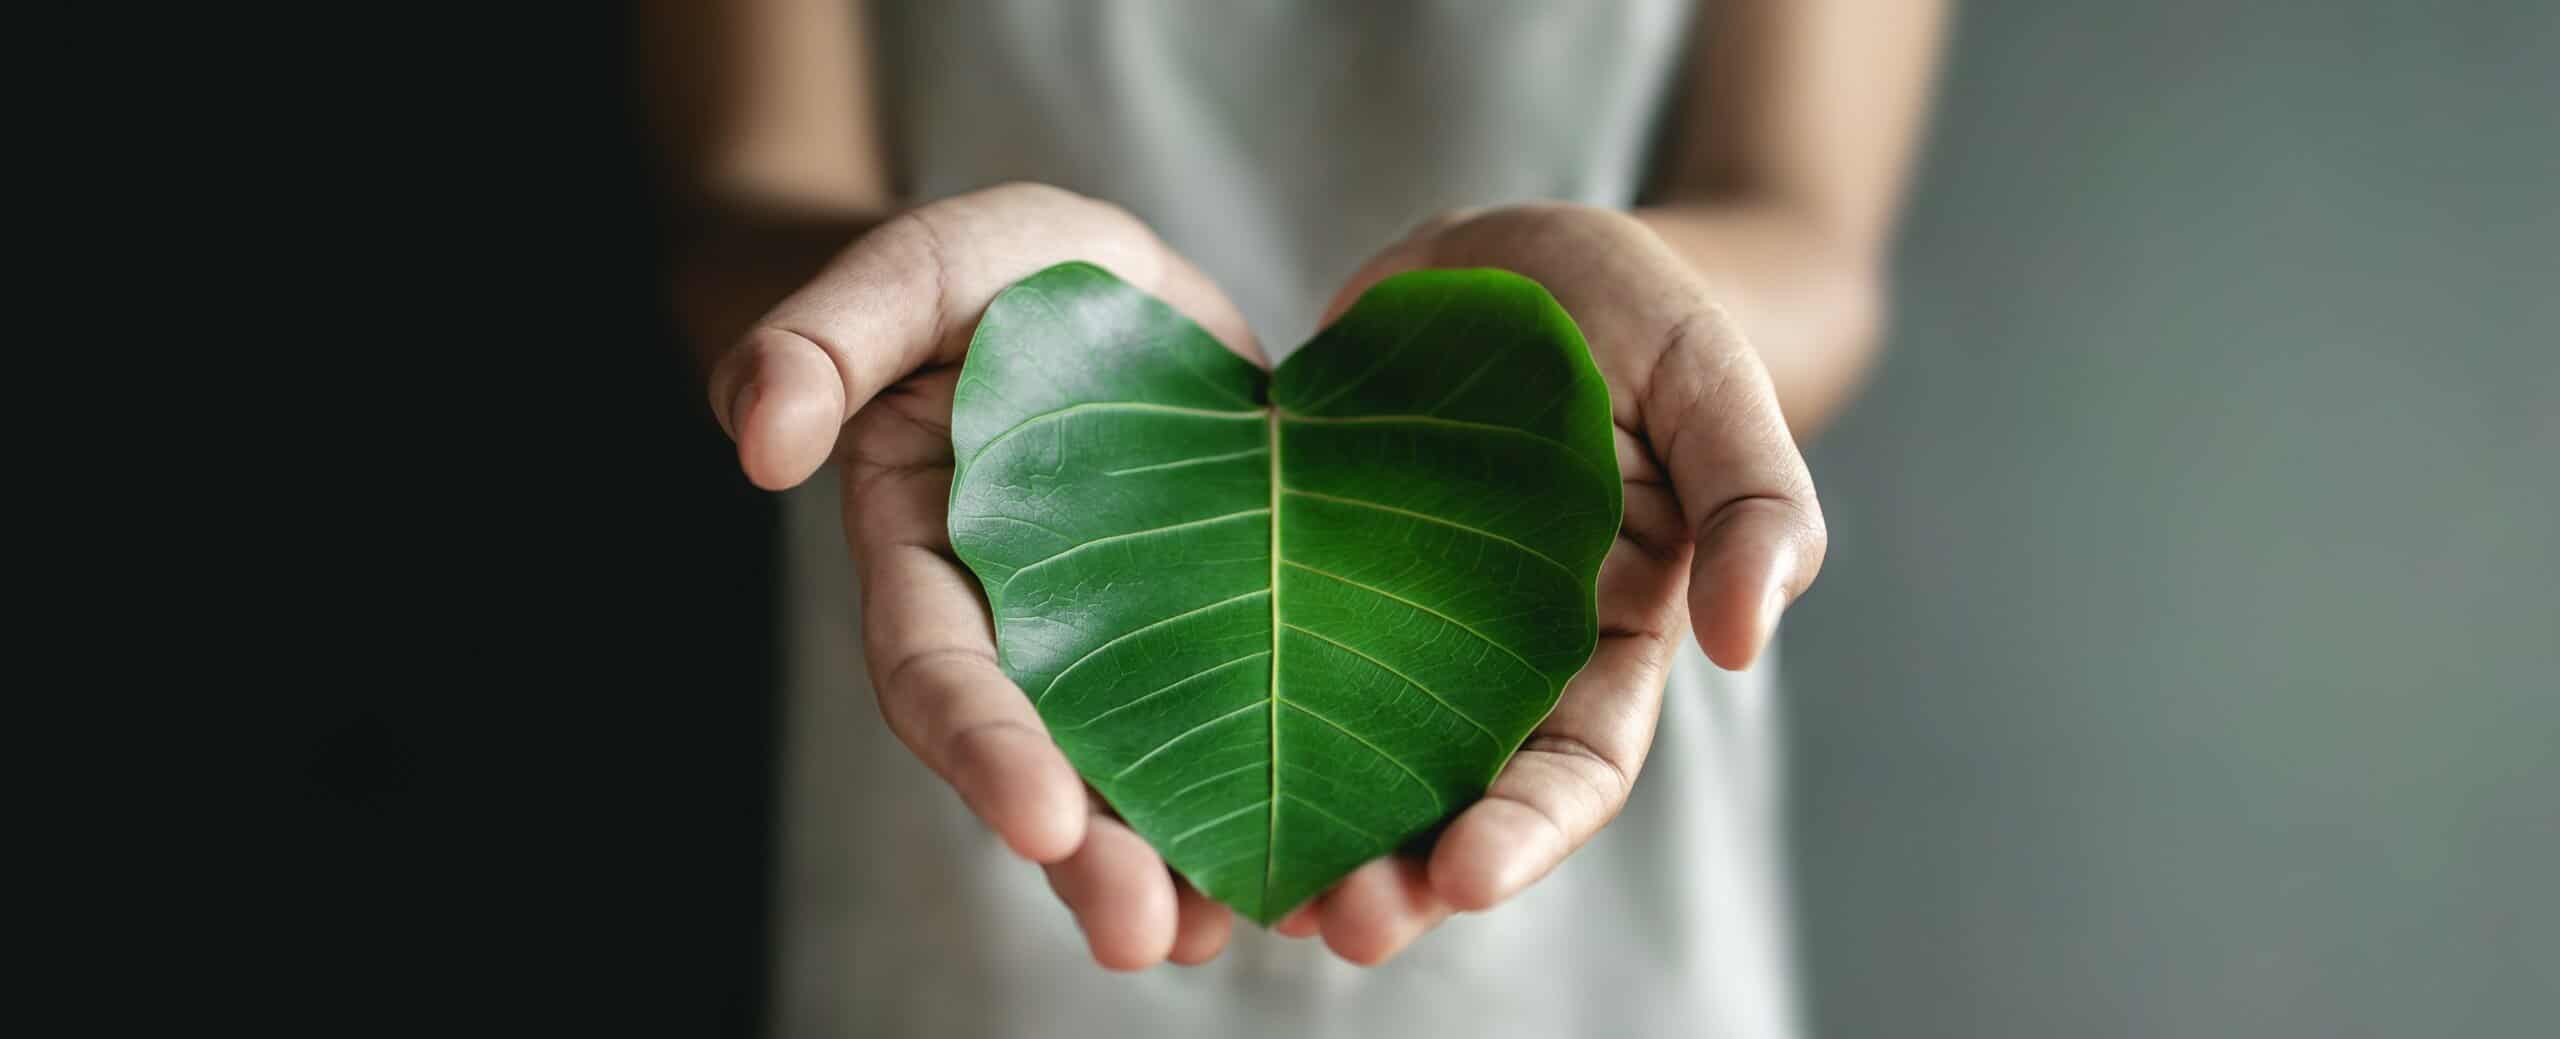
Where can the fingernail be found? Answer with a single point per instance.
(1773, 607)
(738, 405)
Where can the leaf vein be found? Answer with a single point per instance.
(1386, 355)
(1391, 759)
(1179, 737)
(1102, 405)
(1338, 820)
(1175, 348)
(1478, 531)
(1177, 683)
(1063, 535)
(1178, 838)
(1065, 552)
(1421, 420)
(1089, 654)
(1180, 463)
(1196, 784)
(1223, 863)
(1453, 621)
(1407, 679)
(1491, 358)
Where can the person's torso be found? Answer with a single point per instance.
(1277, 144)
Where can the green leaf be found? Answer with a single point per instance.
(1438, 472)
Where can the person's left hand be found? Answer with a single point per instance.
(1718, 503)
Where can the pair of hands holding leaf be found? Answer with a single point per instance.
(1721, 530)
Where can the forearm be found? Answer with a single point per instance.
(1783, 179)
(769, 149)
(1813, 307)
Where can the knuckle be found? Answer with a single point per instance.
(868, 479)
(909, 234)
(974, 747)
(1111, 234)
(1566, 217)
(914, 240)
(897, 686)
(1108, 211)
(1542, 209)
(1027, 191)
(1602, 779)
(770, 336)
(1445, 220)
(1706, 331)
(1032, 194)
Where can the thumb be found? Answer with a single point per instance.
(782, 398)
(907, 295)
(1712, 412)
(875, 313)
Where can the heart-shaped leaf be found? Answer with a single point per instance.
(1284, 632)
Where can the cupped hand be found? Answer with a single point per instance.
(858, 367)
(1722, 532)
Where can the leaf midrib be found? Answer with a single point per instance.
(1271, 838)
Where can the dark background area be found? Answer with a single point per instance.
(2183, 666)
(541, 768)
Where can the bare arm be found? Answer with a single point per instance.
(1785, 173)
(770, 144)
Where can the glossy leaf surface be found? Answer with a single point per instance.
(1436, 471)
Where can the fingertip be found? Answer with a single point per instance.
(1748, 570)
(784, 434)
(1363, 951)
(729, 410)
(1379, 910)
(1495, 850)
(1043, 836)
(1121, 958)
(1730, 644)
(1301, 922)
(1763, 628)
(1014, 778)
(786, 412)
(1466, 887)
(1202, 927)
(1121, 896)
(1735, 624)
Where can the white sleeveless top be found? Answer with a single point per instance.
(1277, 144)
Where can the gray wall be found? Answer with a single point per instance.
(2185, 663)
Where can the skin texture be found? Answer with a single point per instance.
(1730, 320)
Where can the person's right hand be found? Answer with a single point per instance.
(858, 367)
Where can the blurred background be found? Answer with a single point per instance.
(2188, 660)
(2188, 657)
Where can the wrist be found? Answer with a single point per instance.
(1812, 300)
